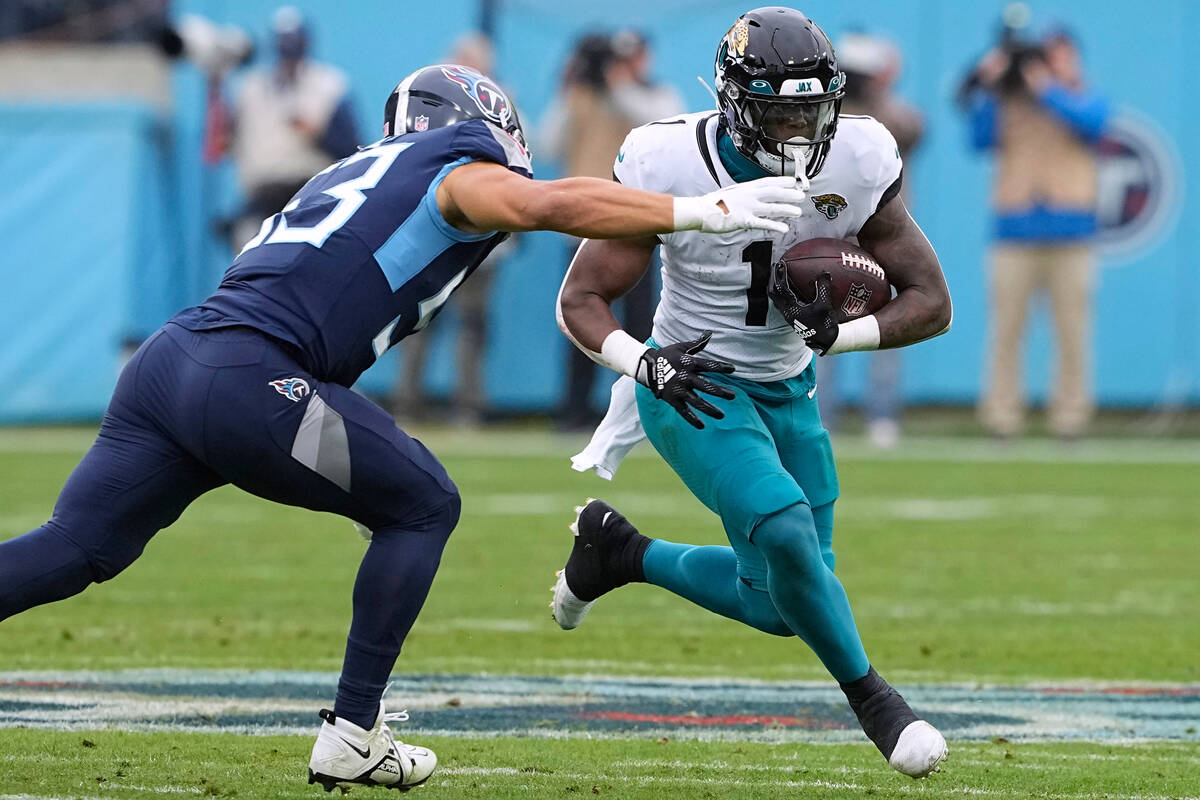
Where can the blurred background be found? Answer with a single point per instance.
(126, 172)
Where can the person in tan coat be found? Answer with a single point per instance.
(1032, 110)
(607, 90)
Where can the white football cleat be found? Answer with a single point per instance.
(567, 609)
(919, 751)
(347, 754)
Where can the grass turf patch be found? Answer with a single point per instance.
(980, 569)
(131, 765)
(1005, 571)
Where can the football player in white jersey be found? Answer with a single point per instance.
(761, 458)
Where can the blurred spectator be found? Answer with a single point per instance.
(83, 20)
(1027, 103)
(606, 91)
(631, 87)
(468, 405)
(291, 120)
(872, 65)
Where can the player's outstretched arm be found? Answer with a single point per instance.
(921, 308)
(601, 272)
(483, 196)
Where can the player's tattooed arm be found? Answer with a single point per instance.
(921, 308)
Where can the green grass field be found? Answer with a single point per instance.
(966, 563)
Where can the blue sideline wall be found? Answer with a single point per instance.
(106, 230)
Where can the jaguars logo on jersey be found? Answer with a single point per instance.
(830, 204)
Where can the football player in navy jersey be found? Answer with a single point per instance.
(251, 387)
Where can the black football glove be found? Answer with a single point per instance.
(675, 373)
(813, 321)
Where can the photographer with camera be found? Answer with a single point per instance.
(1027, 104)
(291, 119)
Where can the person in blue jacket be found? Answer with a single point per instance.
(1031, 109)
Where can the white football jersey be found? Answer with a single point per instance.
(718, 282)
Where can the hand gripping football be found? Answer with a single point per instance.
(860, 286)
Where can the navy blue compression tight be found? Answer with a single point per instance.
(194, 411)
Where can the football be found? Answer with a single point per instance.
(860, 286)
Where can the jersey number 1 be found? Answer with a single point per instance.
(757, 304)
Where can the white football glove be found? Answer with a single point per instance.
(743, 205)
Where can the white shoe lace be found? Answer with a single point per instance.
(393, 716)
(396, 716)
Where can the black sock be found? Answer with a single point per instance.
(631, 557)
(623, 549)
(882, 711)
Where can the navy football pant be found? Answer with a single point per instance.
(196, 410)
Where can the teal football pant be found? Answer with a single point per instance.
(767, 470)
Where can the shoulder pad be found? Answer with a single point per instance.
(485, 142)
(872, 149)
(650, 156)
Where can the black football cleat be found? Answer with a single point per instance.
(607, 553)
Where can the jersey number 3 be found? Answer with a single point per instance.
(758, 254)
(349, 195)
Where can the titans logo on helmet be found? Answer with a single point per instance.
(294, 389)
(486, 95)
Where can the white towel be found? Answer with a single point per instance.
(616, 435)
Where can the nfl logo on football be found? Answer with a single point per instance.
(856, 300)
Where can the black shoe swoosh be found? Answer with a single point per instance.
(364, 753)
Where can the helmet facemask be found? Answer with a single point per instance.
(774, 131)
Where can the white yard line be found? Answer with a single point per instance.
(918, 788)
(77, 796)
(509, 443)
(860, 505)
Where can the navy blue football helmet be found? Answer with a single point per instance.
(779, 89)
(445, 94)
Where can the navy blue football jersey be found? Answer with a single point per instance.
(361, 257)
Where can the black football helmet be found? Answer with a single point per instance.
(445, 94)
(779, 89)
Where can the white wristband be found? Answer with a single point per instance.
(689, 213)
(857, 334)
(622, 353)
